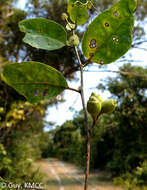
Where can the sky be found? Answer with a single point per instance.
(60, 113)
(21, 4)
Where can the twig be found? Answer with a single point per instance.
(73, 89)
(139, 48)
(140, 42)
(86, 121)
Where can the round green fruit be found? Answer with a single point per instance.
(94, 107)
(108, 106)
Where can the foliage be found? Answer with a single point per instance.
(18, 117)
(130, 118)
(68, 143)
(108, 42)
(137, 179)
(22, 146)
(25, 79)
(77, 11)
(47, 34)
(44, 34)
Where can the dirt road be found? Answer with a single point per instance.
(64, 176)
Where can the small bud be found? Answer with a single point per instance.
(94, 106)
(108, 106)
(74, 40)
(64, 16)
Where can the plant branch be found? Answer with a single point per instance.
(86, 121)
(73, 89)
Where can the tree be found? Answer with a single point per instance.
(130, 132)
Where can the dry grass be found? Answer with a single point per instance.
(63, 176)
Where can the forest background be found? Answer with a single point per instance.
(119, 142)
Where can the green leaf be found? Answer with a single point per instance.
(36, 81)
(109, 37)
(77, 11)
(44, 34)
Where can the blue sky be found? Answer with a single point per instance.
(61, 112)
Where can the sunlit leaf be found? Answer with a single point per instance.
(109, 37)
(44, 34)
(36, 81)
(77, 11)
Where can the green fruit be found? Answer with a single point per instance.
(108, 106)
(94, 106)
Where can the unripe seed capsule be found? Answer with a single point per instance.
(108, 106)
(94, 107)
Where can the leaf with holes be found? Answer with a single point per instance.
(109, 37)
(44, 34)
(77, 11)
(36, 81)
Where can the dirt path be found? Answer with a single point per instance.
(56, 176)
(64, 176)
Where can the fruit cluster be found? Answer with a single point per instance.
(96, 106)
